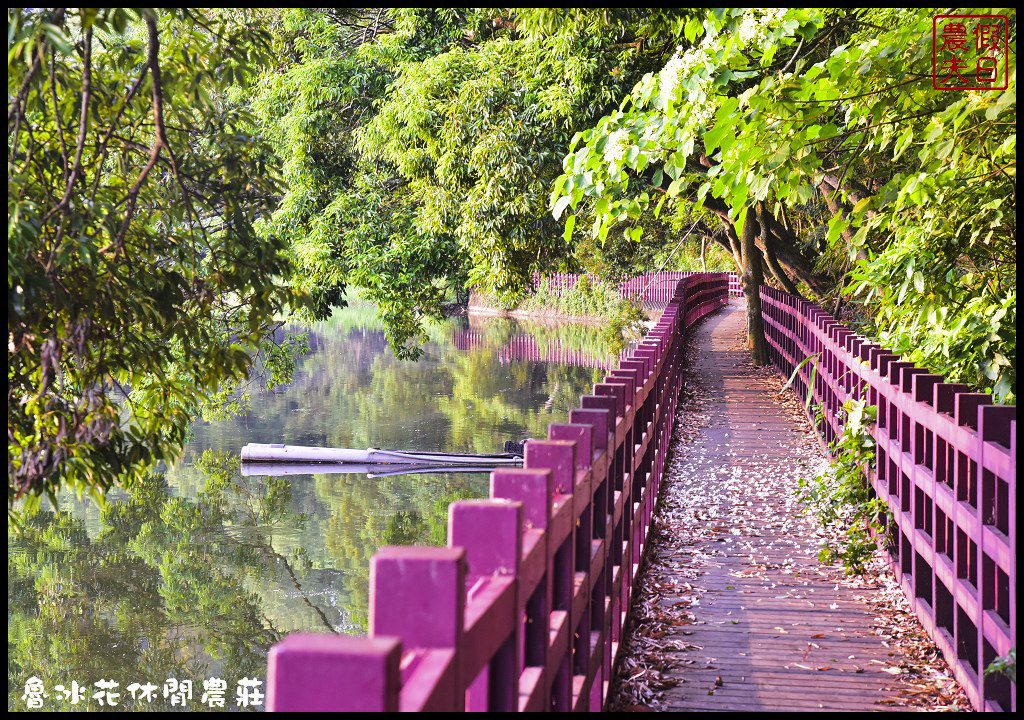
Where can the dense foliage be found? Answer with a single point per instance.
(137, 284)
(345, 224)
(419, 148)
(803, 117)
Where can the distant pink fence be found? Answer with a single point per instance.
(946, 464)
(655, 290)
(525, 608)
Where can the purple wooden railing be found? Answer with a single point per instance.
(946, 464)
(655, 290)
(525, 608)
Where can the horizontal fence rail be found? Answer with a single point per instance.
(946, 465)
(525, 608)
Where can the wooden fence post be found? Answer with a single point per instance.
(419, 595)
(534, 490)
(491, 533)
(317, 673)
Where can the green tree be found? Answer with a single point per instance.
(345, 223)
(137, 282)
(419, 146)
(783, 122)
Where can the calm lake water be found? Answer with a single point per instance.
(197, 572)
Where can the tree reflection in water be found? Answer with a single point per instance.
(196, 573)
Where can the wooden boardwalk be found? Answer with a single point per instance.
(736, 613)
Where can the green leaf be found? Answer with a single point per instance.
(694, 28)
(713, 138)
(919, 281)
(836, 226)
(796, 371)
(657, 178)
(560, 206)
(1004, 101)
(570, 223)
(745, 96)
(661, 202)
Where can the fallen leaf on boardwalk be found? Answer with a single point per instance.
(892, 670)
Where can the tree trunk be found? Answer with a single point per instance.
(751, 279)
(785, 249)
(769, 255)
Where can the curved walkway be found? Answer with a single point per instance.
(735, 613)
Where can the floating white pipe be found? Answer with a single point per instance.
(379, 470)
(280, 453)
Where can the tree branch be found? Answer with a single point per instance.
(153, 63)
(15, 111)
(56, 113)
(161, 129)
(113, 127)
(76, 168)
